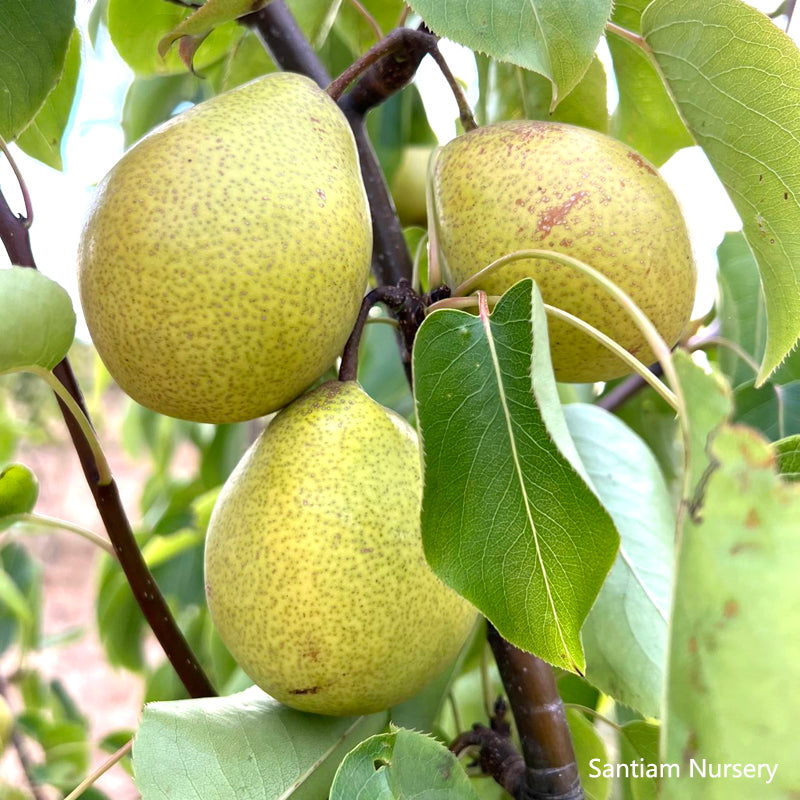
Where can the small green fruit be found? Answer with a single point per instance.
(315, 574)
(549, 186)
(225, 256)
(19, 491)
(409, 185)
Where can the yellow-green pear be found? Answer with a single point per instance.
(409, 185)
(225, 256)
(314, 569)
(550, 186)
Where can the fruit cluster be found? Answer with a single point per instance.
(222, 267)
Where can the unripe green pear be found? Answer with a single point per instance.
(409, 185)
(225, 256)
(549, 186)
(314, 568)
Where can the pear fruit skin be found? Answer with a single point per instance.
(409, 185)
(314, 568)
(551, 186)
(225, 256)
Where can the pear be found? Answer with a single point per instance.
(314, 568)
(550, 186)
(409, 185)
(224, 257)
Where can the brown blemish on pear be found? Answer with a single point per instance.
(543, 185)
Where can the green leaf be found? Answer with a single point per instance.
(645, 118)
(136, 27)
(507, 521)
(380, 370)
(37, 323)
(245, 745)
(774, 410)
(247, 59)
(588, 747)
(354, 31)
(401, 765)
(26, 575)
(316, 17)
(205, 19)
(98, 16)
(555, 39)
(625, 634)
(735, 634)
(18, 490)
(788, 451)
(709, 404)
(736, 79)
(742, 313)
(42, 138)
(638, 740)
(515, 93)
(150, 101)
(35, 36)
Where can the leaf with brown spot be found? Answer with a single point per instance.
(735, 634)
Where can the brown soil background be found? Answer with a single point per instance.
(110, 698)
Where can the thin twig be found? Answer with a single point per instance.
(91, 779)
(16, 239)
(632, 37)
(27, 220)
(24, 758)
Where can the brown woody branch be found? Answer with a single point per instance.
(15, 238)
(529, 681)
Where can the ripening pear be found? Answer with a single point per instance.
(550, 186)
(314, 568)
(225, 256)
(409, 185)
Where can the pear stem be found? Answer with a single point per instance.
(391, 259)
(62, 524)
(398, 42)
(15, 236)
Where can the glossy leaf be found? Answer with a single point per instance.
(136, 27)
(625, 634)
(244, 745)
(42, 138)
(150, 101)
(735, 635)
(774, 410)
(736, 79)
(37, 322)
(507, 520)
(588, 747)
(788, 451)
(206, 18)
(638, 742)
(742, 313)
(401, 765)
(35, 36)
(645, 118)
(246, 60)
(555, 39)
(511, 92)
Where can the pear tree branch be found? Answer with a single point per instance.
(529, 681)
(15, 237)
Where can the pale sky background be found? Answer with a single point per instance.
(93, 144)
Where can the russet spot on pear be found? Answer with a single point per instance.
(550, 186)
